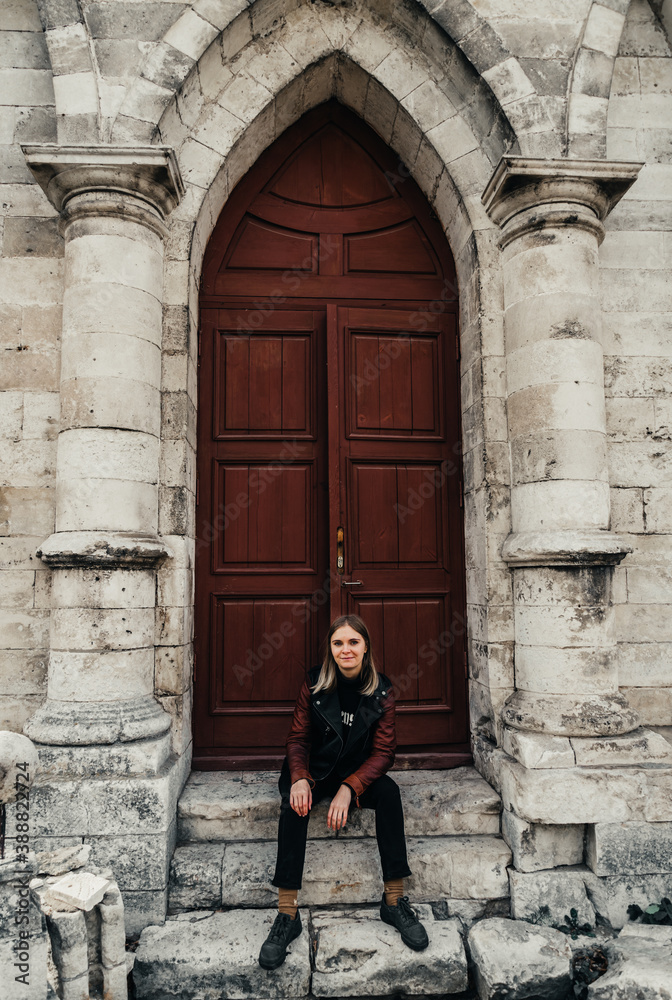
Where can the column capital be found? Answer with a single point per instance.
(526, 194)
(144, 182)
(568, 548)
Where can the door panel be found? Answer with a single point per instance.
(262, 514)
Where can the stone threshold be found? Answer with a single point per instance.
(244, 805)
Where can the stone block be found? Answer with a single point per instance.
(583, 795)
(11, 415)
(547, 897)
(653, 705)
(139, 861)
(27, 511)
(142, 908)
(122, 759)
(82, 889)
(452, 138)
(639, 747)
(69, 943)
(23, 672)
(32, 238)
(640, 964)
(106, 806)
(612, 894)
(537, 847)
(468, 911)
(223, 808)
(644, 663)
(24, 629)
(216, 953)
(103, 628)
(27, 86)
(62, 859)
(536, 750)
(629, 848)
(349, 872)
(357, 955)
(103, 588)
(196, 877)
(147, 23)
(517, 961)
(603, 30)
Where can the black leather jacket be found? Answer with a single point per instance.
(315, 746)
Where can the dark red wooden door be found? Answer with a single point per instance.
(328, 409)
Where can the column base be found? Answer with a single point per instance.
(138, 757)
(65, 723)
(537, 750)
(586, 715)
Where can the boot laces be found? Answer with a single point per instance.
(280, 927)
(408, 914)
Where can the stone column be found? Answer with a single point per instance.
(105, 548)
(561, 550)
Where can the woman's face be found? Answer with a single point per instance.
(348, 648)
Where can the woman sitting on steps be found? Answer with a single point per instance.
(341, 744)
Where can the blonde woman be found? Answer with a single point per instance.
(340, 745)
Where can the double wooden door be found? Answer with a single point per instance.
(328, 449)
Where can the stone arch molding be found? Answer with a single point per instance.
(88, 109)
(429, 105)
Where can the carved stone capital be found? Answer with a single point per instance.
(141, 183)
(527, 195)
(103, 548)
(579, 547)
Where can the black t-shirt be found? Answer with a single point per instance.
(348, 696)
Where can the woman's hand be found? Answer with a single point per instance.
(301, 797)
(338, 810)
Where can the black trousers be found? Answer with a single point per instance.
(382, 795)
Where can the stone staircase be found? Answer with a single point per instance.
(221, 902)
(227, 829)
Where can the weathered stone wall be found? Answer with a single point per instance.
(451, 92)
(636, 280)
(31, 282)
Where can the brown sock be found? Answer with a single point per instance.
(288, 902)
(394, 888)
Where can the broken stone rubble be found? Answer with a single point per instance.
(516, 960)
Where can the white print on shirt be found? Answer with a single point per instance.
(347, 717)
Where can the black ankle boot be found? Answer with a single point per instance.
(405, 919)
(274, 949)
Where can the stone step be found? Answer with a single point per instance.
(244, 805)
(238, 873)
(353, 953)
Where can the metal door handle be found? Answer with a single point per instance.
(352, 583)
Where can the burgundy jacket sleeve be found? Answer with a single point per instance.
(381, 758)
(299, 738)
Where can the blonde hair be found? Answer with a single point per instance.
(368, 677)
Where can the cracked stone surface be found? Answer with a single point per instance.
(358, 955)
(215, 955)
